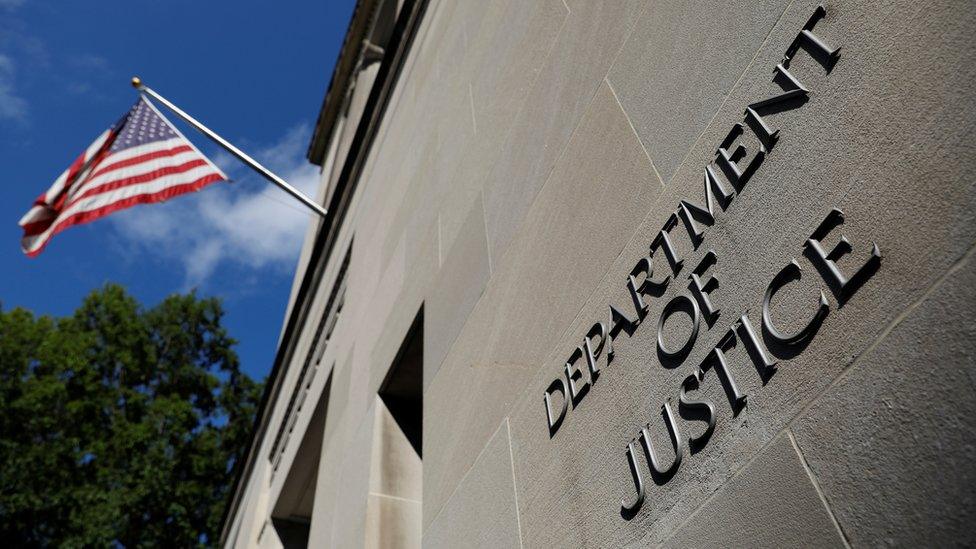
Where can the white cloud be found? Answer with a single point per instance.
(249, 223)
(12, 106)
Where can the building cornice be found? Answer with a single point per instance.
(342, 75)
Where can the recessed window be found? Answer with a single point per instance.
(402, 390)
(292, 512)
(394, 505)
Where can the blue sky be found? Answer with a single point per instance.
(254, 71)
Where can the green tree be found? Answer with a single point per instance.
(119, 424)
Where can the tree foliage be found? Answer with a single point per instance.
(119, 424)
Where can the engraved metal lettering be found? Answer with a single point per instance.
(767, 136)
(662, 240)
(658, 472)
(619, 322)
(702, 291)
(555, 420)
(793, 92)
(716, 357)
(788, 274)
(730, 160)
(702, 410)
(598, 329)
(629, 509)
(573, 375)
(840, 285)
(806, 36)
(764, 365)
(645, 266)
(689, 211)
(677, 303)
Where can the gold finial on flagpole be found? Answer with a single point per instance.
(136, 82)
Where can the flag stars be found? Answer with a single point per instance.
(142, 127)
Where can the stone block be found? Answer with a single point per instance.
(482, 511)
(772, 502)
(575, 69)
(578, 224)
(351, 479)
(508, 44)
(385, 337)
(454, 292)
(396, 470)
(892, 441)
(392, 522)
(494, 83)
(680, 64)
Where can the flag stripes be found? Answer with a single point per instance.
(106, 181)
(98, 206)
(142, 159)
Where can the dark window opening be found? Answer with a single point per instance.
(293, 533)
(402, 390)
(293, 510)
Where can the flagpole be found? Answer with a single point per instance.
(254, 164)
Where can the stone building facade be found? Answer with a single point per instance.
(632, 273)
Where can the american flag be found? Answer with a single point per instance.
(139, 160)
